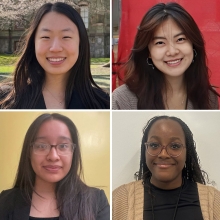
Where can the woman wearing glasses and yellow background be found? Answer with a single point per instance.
(172, 182)
(49, 181)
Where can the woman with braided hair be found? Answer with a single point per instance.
(171, 184)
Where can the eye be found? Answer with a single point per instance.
(159, 43)
(153, 145)
(66, 37)
(175, 146)
(64, 146)
(40, 146)
(182, 39)
(45, 37)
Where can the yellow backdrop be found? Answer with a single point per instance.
(94, 133)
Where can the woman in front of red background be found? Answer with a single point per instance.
(167, 67)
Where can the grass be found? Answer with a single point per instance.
(7, 63)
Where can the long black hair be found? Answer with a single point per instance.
(75, 199)
(29, 76)
(192, 169)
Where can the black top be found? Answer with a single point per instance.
(164, 202)
(35, 218)
(14, 206)
(75, 102)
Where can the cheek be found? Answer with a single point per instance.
(35, 163)
(148, 160)
(67, 163)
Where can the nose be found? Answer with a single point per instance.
(172, 50)
(52, 155)
(56, 45)
(163, 154)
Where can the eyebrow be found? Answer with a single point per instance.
(63, 30)
(60, 137)
(159, 37)
(171, 139)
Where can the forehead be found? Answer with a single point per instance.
(166, 127)
(53, 128)
(169, 26)
(54, 21)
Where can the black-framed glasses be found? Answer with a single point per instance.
(44, 149)
(174, 149)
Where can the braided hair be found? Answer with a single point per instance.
(191, 170)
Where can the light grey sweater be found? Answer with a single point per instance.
(124, 99)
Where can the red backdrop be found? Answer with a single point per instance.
(206, 13)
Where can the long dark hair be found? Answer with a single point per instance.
(74, 198)
(148, 83)
(29, 76)
(192, 169)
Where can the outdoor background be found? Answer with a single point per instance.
(94, 133)
(15, 17)
(127, 135)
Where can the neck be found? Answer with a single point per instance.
(45, 189)
(175, 85)
(166, 185)
(56, 84)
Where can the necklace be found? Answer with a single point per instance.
(60, 102)
(175, 211)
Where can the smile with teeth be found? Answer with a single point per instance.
(173, 61)
(56, 59)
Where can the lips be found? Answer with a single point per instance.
(57, 59)
(163, 164)
(52, 168)
(175, 62)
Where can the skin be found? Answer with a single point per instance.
(166, 170)
(57, 37)
(49, 169)
(171, 45)
(52, 168)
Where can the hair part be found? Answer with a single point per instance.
(192, 170)
(75, 200)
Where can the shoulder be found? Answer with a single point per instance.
(103, 209)
(104, 98)
(7, 200)
(213, 98)
(128, 189)
(209, 198)
(9, 194)
(123, 98)
(127, 200)
(207, 191)
(5, 89)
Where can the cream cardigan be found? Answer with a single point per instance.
(128, 202)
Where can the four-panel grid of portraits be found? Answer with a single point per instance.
(109, 110)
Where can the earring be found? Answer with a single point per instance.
(150, 63)
(195, 54)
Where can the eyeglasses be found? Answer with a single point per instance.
(173, 149)
(44, 149)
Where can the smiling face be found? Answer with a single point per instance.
(52, 167)
(170, 50)
(166, 170)
(56, 44)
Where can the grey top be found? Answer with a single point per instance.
(124, 99)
